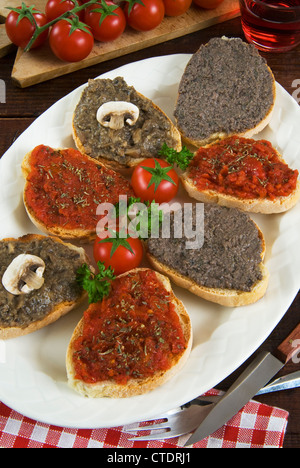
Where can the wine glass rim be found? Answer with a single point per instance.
(275, 7)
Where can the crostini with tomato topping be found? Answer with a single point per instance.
(63, 189)
(134, 340)
(243, 173)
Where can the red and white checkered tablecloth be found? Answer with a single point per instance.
(256, 426)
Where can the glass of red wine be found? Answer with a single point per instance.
(271, 25)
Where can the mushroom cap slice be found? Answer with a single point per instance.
(24, 274)
(113, 113)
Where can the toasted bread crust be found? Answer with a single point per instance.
(207, 52)
(59, 310)
(249, 133)
(82, 235)
(79, 234)
(254, 205)
(139, 386)
(126, 170)
(280, 205)
(225, 297)
(135, 160)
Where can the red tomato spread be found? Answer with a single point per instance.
(133, 333)
(242, 167)
(64, 187)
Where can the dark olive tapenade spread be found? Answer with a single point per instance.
(226, 88)
(59, 285)
(229, 257)
(143, 139)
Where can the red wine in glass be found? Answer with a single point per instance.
(272, 25)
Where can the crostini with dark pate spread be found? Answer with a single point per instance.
(38, 282)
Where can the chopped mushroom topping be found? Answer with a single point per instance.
(24, 274)
(113, 113)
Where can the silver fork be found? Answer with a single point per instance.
(175, 423)
(187, 418)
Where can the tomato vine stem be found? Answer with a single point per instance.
(40, 29)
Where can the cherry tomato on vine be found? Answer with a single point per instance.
(155, 180)
(106, 20)
(121, 254)
(208, 4)
(176, 7)
(55, 8)
(144, 15)
(71, 40)
(20, 26)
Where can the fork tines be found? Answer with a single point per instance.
(175, 424)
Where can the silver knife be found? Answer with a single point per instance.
(282, 383)
(285, 382)
(257, 374)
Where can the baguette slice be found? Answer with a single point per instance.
(117, 185)
(139, 385)
(263, 205)
(223, 296)
(124, 148)
(226, 89)
(280, 205)
(57, 309)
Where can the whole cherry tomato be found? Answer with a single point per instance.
(121, 254)
(155, 180)
(208, 4)
(106, 20)
(176, 7)
(55, 8)
(20, 26)
(70, 40)
(144, 15)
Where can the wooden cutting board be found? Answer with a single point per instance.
(41, 65)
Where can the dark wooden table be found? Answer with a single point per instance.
(23, 106)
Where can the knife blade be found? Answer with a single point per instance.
(257, 374)
(285, 382)
(282, 383)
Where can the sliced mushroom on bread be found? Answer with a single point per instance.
(118, 126)
(38, 282)
(63, 189)
(227, 88)
(224, 266)
(243, 173)
(136, 339)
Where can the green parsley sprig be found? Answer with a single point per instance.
(181, 158)
(97, 285)
(149, 216)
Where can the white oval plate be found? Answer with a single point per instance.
(32, 368)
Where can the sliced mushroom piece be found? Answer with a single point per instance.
(112, 114)
(24, 274)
